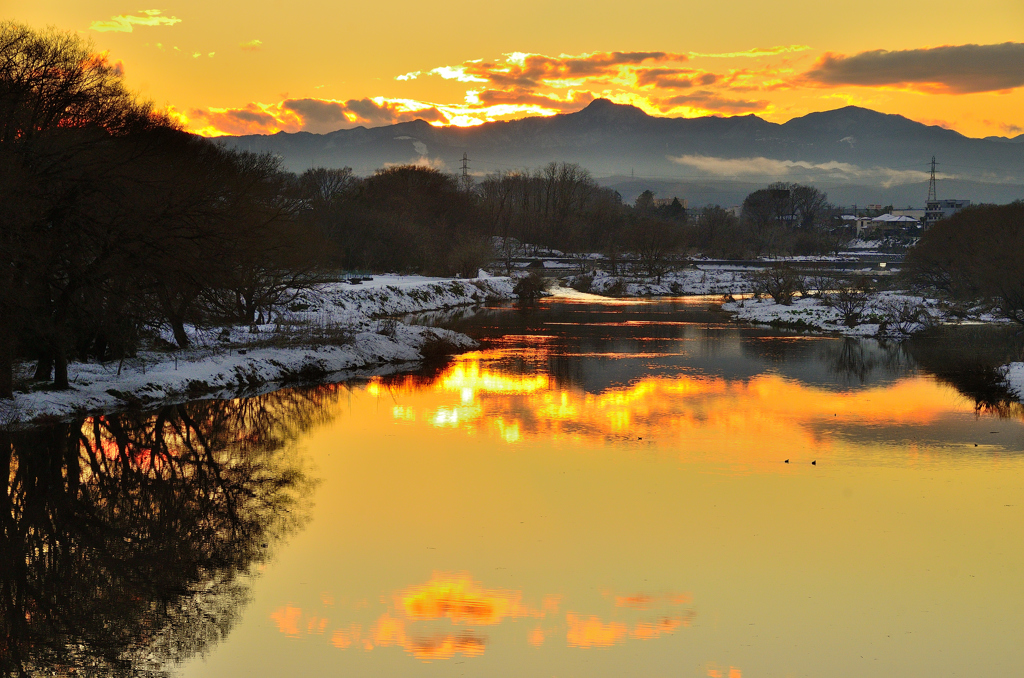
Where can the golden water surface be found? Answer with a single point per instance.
(521, 513)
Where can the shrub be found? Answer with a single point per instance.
(532, 286)
(780, 282)
(904, 316)
(849, 299)
(582, 283)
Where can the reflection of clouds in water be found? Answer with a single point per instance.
(462, 600)
(410, 620)
(747, 422)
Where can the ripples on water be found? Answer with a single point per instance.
(602, 489)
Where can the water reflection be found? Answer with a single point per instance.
(674, 370)
(438, 620)
(126, 537)
(761, 420)
(969, 358)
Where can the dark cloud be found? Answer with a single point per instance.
(319, 115)
(318, 112)
(709, 101)
(673, 78)
(960, 69)
(249, 120)
(496, 97)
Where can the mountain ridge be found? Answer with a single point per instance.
(849, 145)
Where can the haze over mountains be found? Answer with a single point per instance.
(855, 154)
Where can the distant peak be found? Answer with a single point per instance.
(605, 108)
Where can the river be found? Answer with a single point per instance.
(633, 487)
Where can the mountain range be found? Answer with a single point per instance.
(855, 154)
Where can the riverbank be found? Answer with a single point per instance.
(876, 314)
(692, 281)
(855, 313)
(334, 331)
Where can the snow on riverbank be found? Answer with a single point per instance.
(332, 330)
(710, 280)
(893, 314)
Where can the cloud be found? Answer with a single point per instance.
(951, 69)
(574, 102)
(124, 23)
(525, 70)
(537, 84)
(770, 167)
(252, 119)
(308, 115)
(251, 46)
(711, 102)
(756, 52)
(757, 166)
(673, 78)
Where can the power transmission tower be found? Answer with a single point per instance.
(465, 172)
(931, 183)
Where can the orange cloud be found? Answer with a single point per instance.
(251, 46)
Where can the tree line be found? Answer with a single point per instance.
(974, 258)
(114, 221)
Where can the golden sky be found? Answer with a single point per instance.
(267, 65)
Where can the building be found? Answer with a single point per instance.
(890, 225)
(909, 212)
(940, 209)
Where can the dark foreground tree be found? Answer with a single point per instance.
(976, 255)
(63, 111)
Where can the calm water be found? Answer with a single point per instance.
(602, 490)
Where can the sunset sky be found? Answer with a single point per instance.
(266, 65)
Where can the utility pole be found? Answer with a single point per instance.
(931, 184)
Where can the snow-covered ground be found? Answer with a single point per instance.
(336, 329)
(700, 280)
(884, 314)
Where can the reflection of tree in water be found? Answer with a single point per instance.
(124, 536)
(968, 358)
(856, 360)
